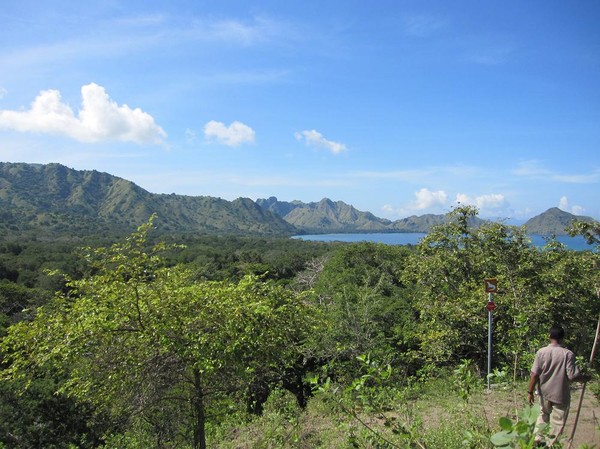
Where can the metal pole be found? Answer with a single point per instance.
(490, 322)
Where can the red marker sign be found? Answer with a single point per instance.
(491, 306)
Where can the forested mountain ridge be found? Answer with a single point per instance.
(55, 200)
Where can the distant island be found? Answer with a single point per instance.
(54, 200)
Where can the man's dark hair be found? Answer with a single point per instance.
(557, 333)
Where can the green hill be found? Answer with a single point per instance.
(51, 200)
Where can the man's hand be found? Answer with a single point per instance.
(584, 377)
(530, 397)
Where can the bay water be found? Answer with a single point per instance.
(577, 243)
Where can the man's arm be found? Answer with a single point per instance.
(573, 372)
(533, 379)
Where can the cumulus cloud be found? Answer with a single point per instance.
(388, 209)
(316, 139)
(99, 119)
(564, 204)
(233, 135)
(426, 199)
(491, 201)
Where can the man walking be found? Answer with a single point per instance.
(553, 371)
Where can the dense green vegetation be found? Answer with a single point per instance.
(193, 342)
(49, 201)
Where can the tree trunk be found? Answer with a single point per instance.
(198, 411)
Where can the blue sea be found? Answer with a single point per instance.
(408, 238)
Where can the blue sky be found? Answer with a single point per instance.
(396, 107)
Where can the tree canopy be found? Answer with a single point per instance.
(136, 337)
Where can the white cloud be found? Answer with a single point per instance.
(233, 135)
(3, 92)
(99, 119)
(563, 204)
(316, 139)
(426, 199)
(493, 201)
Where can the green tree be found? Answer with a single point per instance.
(137, 338)
(590, 231)
(366, 306)
(447, 273)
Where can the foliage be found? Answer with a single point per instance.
(139, 338)
(537, 288)
(519, 434)
(360, 293)
(37, 417)
(147, 343)
(465, 379)
(17, 303)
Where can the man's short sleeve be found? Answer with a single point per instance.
(571, 367)
(536, 367)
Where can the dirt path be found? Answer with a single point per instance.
(588, 424)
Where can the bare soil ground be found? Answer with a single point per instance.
(588, 425)
(587, 430)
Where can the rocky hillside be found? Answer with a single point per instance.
(328, 216)
(553, 221)
(55, 200)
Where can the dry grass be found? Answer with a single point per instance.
(435, 419)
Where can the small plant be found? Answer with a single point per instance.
(520, 434)
(499, 378)
(464, 379)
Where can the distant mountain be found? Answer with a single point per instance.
(328, 216)
(422, 223)
(55, 200)
(553, 221)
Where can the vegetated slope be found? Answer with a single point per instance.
(553, 221)
(328, 216)
(55, 200)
